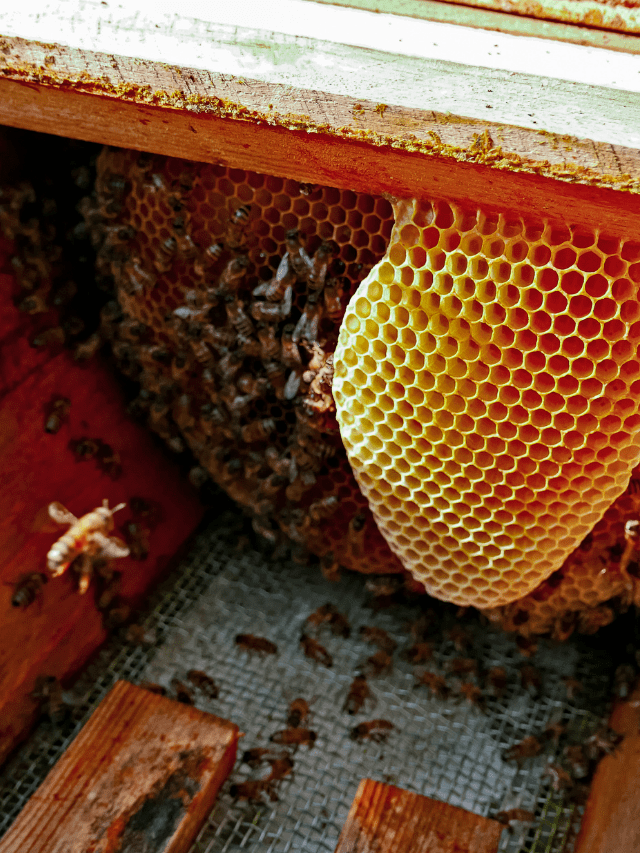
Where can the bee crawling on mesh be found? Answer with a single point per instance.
(27, 589)
(379, 663)
(251, 643)
(374, 730)
(87, 538)
(294, 737)
(436, 683)
(509, 817)
(314, 650)
(528, 747)
(203, 682)
(359, 693)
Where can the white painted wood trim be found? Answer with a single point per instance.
(584, 92)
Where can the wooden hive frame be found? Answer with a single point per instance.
(433, 103)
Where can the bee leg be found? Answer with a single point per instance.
(84, 567)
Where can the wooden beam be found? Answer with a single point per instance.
(455, 93)
(316, 158)
(391, 820)
(514, 20)
(142, 774)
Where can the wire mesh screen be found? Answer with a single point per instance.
(448, 748)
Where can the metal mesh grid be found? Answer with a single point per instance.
(446, 749)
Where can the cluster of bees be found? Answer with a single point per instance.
(239, 373)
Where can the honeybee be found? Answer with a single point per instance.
(298, 258)
(308, 325)
(203, 682)
(87, 349)
(183, 694)
(184, 244)
(281, 766)
(529, 747)
(497, 679)
(86, 535)
(297, 712)
(48, 691)
(378, 637)
(460, 638)
(319, 263)
(418, 653)
(152, 687)
(473, 694)
(436, 684)
(294, 737)
(254, 757)
(379, 663)
(165, 254)
(572, 686)
(553, 732)
(530, 678)
(253, 790)
(463, 666)
(232, 275)
(314, 650)
(209, 257)
(333, 305)
(510, 816)
(235, 235)
(375, 730)
(27, 589)
(527, 646)
(560, 779)
(57, 413)
(358, 694)
(330, 567)
(258, 430)
(237, 317)
(250, 643)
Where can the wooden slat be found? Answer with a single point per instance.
(56, 634)
(612, 817)
(451, 94)
(498, 21)
(391, 820)
(317, 158)
(142, 775)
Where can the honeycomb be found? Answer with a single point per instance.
(227, 318)
(165, 232)
(486, 383)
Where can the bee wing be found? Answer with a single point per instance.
(111, 546)
(61, 514)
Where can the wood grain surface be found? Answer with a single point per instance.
(141, 776)
(461, 94)
(391, 820)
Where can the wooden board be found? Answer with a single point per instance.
(56, 634)
(142, 775)
(612, 817)
(391, 820)
(321, 76)
(498, 21)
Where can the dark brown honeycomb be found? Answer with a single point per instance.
(242, 378)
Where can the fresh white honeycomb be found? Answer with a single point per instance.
(488, 391)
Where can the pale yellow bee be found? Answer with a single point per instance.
(86, 536)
